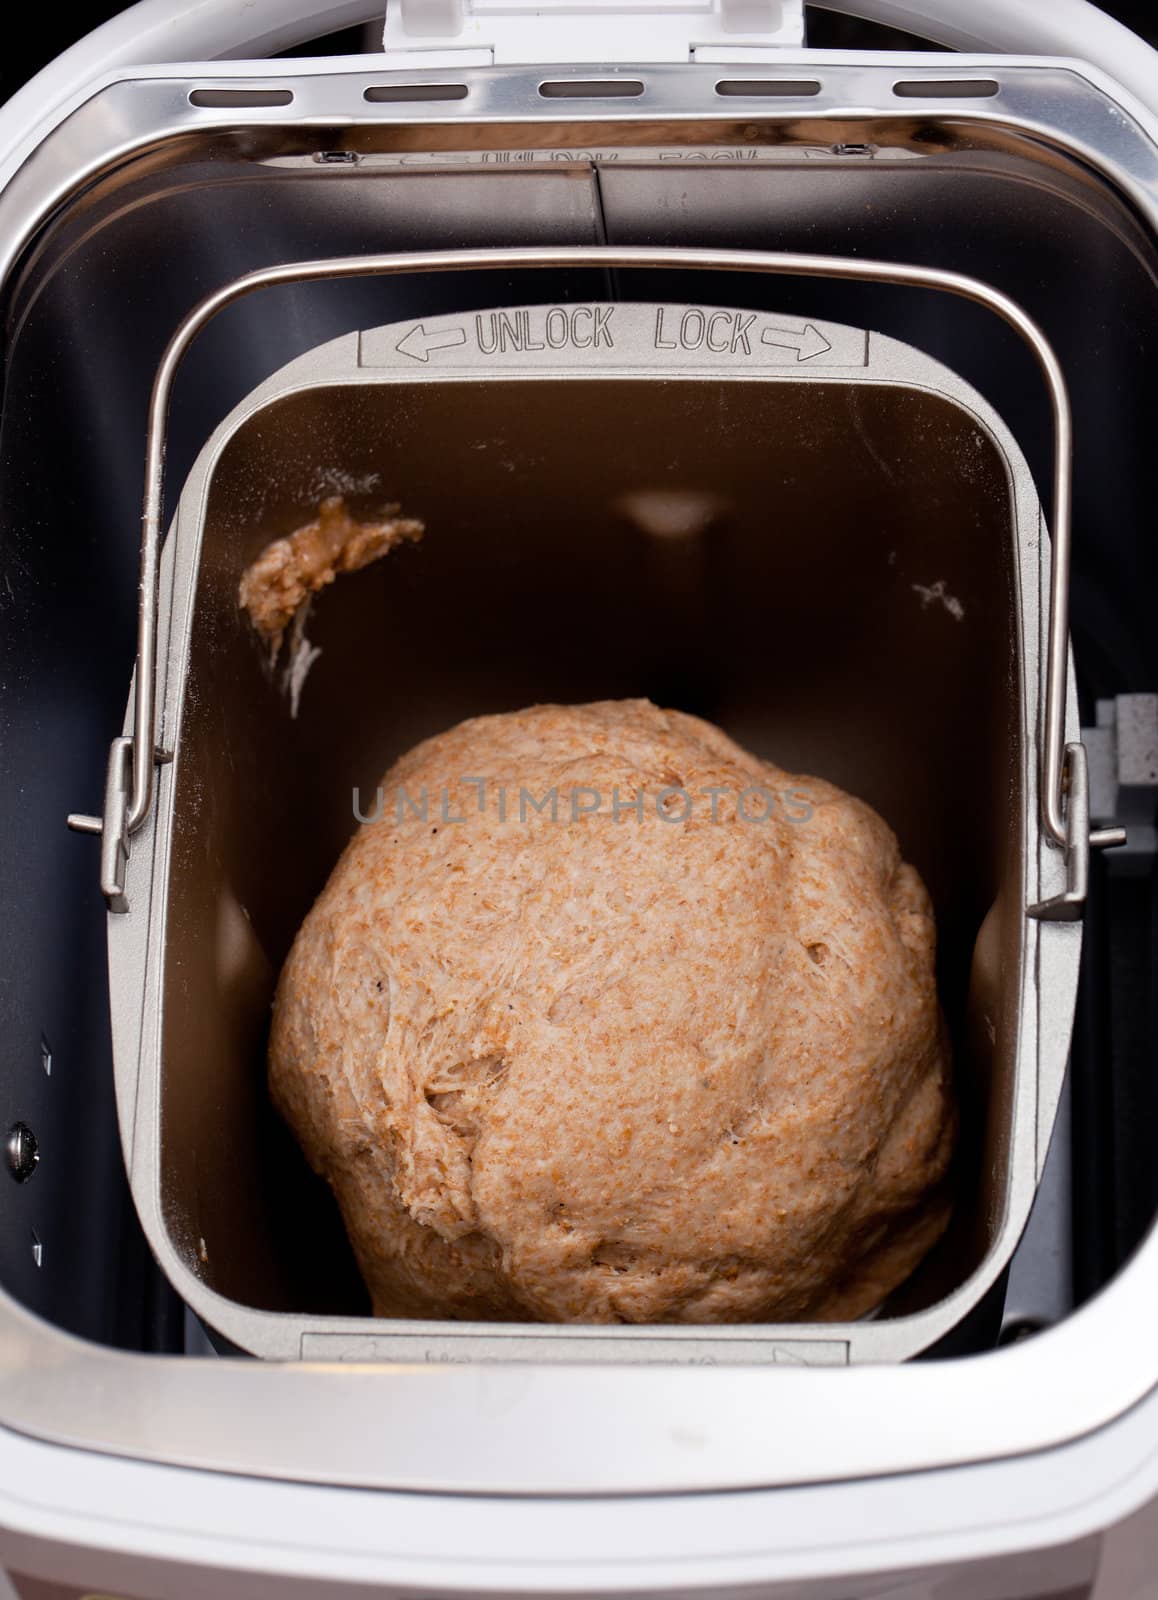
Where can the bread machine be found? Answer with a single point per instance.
(805, 389)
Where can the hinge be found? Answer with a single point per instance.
(449, 33)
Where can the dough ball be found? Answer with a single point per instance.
(672, 1054)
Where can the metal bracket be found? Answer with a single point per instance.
(112, 827)
(1080, 839)
(1122, 747)
(1061, 769)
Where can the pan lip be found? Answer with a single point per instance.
(284, 1335)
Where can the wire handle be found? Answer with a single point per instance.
(1055, 761)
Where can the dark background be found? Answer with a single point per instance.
(44, 34)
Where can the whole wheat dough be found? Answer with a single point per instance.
(604, 1068)
(274, 589)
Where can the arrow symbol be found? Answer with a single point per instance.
(420, 345)
(808, 344)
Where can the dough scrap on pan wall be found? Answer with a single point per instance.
(633, 1070)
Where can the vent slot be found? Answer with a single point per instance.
(592, 89)
(769, 88)
(222, 99)
(946, 88)
(400, 93)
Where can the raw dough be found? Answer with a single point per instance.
(275, 587)
(628, 1069)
